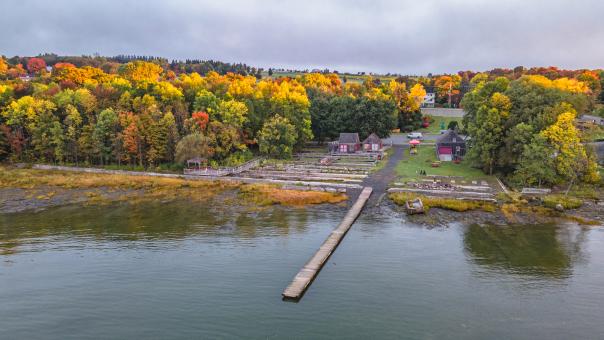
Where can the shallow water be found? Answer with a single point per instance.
(182, 270)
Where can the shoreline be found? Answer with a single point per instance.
(23, 190)
(37, 189)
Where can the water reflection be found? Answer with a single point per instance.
(538, 250)
(152, 221)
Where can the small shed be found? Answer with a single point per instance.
(373, 143)
(349, 143)
(450, 146)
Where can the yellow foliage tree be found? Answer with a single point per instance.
(502, 103)
(141, 71)
(330, 83)
(416, 97)
(242, 87)
(3, 67)
(571, 158)
(167, 92)
(564, 84)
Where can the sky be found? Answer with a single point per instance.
(404, 36)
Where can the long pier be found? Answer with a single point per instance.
(311, 269)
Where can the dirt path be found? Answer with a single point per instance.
(380, 181)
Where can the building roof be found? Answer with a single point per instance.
(450, 137)
(372, 139)
(349, 138)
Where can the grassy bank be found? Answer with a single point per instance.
(410, 166)
(100, 188)
(263, 194)
(153, 187)
(443, 203)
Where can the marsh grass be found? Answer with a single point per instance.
(443, 203)
(99, 186)
(104, 188)
(264, 194)
(568, 202)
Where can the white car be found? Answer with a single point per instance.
(415, 135)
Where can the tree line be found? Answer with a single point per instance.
(525, 129)
(142, 113)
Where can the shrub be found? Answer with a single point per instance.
(550, 201)
(444, 203)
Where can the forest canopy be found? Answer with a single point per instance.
(141, 112)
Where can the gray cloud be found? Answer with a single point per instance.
(405, 36)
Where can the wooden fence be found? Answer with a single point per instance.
(225, 171)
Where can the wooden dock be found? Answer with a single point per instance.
(307, 274)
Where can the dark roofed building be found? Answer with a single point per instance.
(373, 143)
(349, 142)
(450, 146)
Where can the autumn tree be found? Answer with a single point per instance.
(36, 65)
(206, 101)
(447, 86)
(571, 160)
(138, 71)
(277, 137)
(3, 67)
(132, 138)
(160, 138)
(225, 139)
(407, 103)
(192, 146)
(15, 72)
(73, 122)
(105, 133)
(4, 144)
(231, 112)
(487, 133)
(536, 165)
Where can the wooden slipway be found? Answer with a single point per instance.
(307, 274)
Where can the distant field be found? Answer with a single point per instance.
(355, 78)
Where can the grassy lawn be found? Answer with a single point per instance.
(409, 167)
(353, 78)
(435, 127)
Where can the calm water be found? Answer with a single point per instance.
(185, 271)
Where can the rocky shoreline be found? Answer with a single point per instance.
(16, 200)
(591, 213)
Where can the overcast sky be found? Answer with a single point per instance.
(409, 37)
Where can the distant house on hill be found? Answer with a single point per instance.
(450, 146)
(373, 143)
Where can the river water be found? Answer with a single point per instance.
(179, 270)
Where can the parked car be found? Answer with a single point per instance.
(443, 131)
(415, 135)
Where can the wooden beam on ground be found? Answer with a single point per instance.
(311, 269)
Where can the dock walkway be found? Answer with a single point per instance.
(307, 274)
